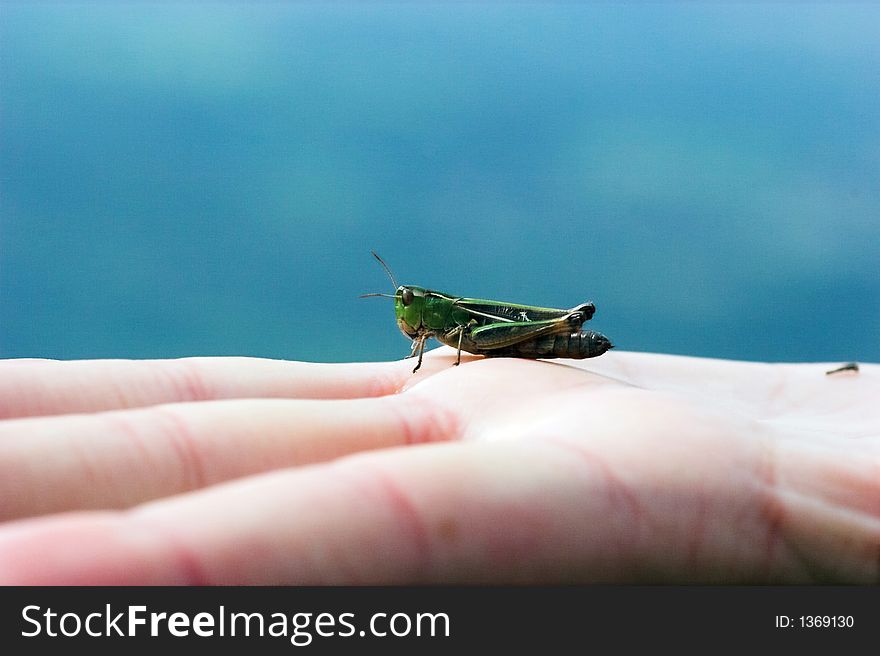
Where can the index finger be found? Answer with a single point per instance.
(50, 387)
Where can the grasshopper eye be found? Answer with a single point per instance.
(407, 296)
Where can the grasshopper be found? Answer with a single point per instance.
(491, 328)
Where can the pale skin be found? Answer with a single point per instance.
(630, 467)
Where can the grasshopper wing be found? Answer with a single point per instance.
(500, 335)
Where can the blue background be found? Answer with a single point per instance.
(205, 180)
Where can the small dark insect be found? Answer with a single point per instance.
(849, 366)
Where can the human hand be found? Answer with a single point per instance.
(631, 467)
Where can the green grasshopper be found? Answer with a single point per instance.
(491, 328)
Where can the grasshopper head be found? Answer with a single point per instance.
(409, 305)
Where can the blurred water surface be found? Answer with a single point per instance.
(183, 179)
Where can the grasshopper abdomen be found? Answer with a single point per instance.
(576, 345)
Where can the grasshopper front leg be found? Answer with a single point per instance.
(418, 346)
(422, 340)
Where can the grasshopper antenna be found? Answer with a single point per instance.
(387, 270)
(390, 275)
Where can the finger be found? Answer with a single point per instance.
(48, 387)
(520, 511)
(441, 515)
(120, 458)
